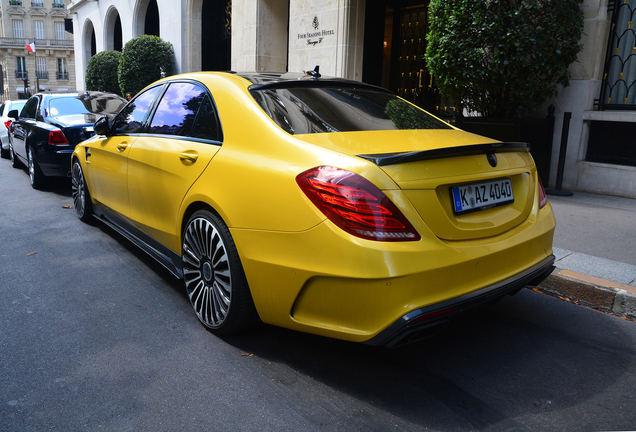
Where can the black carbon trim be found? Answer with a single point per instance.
(167, 258)
(382, 159)
(420, 321)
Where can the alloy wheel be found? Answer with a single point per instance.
(77, 186)
(207, 272)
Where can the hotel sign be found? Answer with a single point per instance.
(316, 36)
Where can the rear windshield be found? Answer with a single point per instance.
(332, 109)
(99, 104)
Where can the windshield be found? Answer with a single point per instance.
(333, 109)
(97, 104)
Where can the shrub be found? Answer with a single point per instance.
(494, 56)
(144, 60)
(101, 72)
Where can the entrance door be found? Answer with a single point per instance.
(394, 56)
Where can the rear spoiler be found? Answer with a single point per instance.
(382, 159)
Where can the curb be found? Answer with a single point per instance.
(600, 294)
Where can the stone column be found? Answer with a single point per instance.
(259, 35)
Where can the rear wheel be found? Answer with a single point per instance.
(214, 276)
(4, 153)
(15, 163)
(35, 173)
(81, 196)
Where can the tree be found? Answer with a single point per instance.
(494, 56)
(101, 72)
(144, 60)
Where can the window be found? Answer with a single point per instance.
(38, 29)
(30, 108)
(40, 68)
(18, 30)
(177, 110)
(20, 68)
(132, 117)
(207, 125)
(619, 80)
(62, 72)
(59, 31)
(341, 109)
(58, 4)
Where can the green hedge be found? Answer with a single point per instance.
(144, 60)
(101, 72)
(494, 56)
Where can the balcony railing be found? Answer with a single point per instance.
(43, 75)
(58, 5)
(21, 74)
(62, 75)
(39, 43)
(37, 4)
(15, 2)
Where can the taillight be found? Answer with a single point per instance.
(355, 205)
(543, 199)
(7, 123)
(56, 137)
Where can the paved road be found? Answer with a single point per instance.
(96, 336)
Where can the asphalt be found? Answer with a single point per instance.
(595, 250)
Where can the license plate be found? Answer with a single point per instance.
(479, 196)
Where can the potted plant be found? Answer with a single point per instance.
(500, 60)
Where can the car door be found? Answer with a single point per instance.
(23, 127)
(107, 155)
(182, 138)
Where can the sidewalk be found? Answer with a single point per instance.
(595, 250)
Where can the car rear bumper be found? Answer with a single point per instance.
(424, 322)
(325, 282)
(55, 163)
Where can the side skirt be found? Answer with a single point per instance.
(164, 256)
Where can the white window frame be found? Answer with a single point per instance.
(60, 32)
(18, 29)
(40, 64)
(20, 64)
(38, 30)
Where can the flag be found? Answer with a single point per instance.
(31, 47)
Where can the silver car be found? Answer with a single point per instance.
(5, 122)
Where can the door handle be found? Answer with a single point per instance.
(122, 146)
(189, 156)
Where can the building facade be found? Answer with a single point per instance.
(52, 65)
(381, 42)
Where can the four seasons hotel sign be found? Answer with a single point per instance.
(316, 36)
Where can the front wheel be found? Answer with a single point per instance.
(81, 196)
(35, 172)
(214, 276)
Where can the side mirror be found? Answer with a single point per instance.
(102, 126)
(14, 114)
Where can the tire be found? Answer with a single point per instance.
(4, 154)
(214, 277)
(15, 162)
(35, 173)
(81, 197)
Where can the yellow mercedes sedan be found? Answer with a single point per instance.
(317, 204)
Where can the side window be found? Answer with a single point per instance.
(207, 126)
(30, 108)
(177, 110)
(132, 117)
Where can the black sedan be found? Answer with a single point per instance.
(49, 127)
